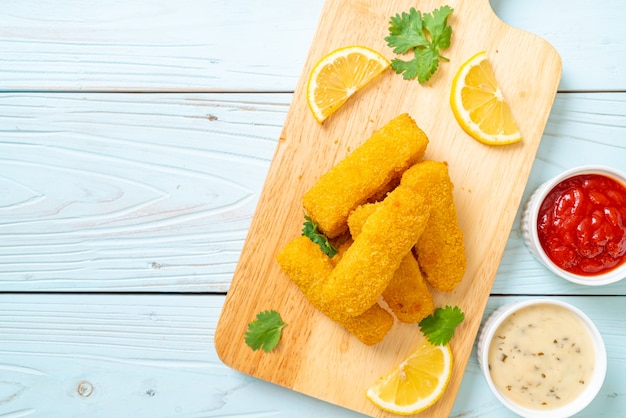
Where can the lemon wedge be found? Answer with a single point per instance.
(479, 106)
(417, 383)
(339, 75)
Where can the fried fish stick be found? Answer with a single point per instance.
(341, 250)
(383, 157)
(365, 270)
(407, 294)
(440, 249)
(308, 267)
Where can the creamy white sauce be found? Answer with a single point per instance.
(541, 357)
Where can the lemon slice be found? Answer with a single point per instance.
(417, 383)
(339, 75)
(478, 104)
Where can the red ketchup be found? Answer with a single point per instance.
(582, 224)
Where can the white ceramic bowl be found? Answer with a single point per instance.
(529, 226)
(592, 388)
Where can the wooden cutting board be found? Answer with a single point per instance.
(316, 356)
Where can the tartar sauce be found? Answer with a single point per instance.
(541, 357)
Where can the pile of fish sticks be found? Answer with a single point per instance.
(392, 216)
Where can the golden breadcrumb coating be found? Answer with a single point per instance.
(359, 216)
(363, 173)
(367, 267)
(308, 267)
(341, 250)
(407, 294)
(440, 249)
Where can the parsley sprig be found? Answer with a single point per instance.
(440, 325)
(426, 34)
(264, 332)
(310, 230)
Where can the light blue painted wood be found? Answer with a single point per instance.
(143, 45)
(130, 192)
(153, 356)
(212, 45)
(154, 193)
(593, 57)
(570, 140)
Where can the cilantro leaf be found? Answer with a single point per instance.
(406, 32)
(310, 230)
(437, 26)
(421, 67)
(264, 332)
(440, 325)
(425, 34)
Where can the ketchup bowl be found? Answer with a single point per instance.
(542, 358)
(575, 224)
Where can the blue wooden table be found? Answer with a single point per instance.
(134, 142)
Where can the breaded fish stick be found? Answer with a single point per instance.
(341, 250)
(407, 294)
(305, 263)
(440, 249)
(384, 156)
(365, 270)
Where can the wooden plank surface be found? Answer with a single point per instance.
(148, 192)
(212, 45)
(122, 344)
(568, 141)
(318, 357)
(153, 356)
(148, 45)
(582, 128)
(585, 56)
(114, 356)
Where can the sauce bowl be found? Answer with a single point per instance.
(530, 233)
(542, 358)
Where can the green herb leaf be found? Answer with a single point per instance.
(439, 327)
(310, 230)
(406, 32)
(436, 24)
(264, 332)
(426, 34)
(421, 67)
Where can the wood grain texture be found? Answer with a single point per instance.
(150, 45)
(153, 356)
(71, 131)
(130, 192)
(72, 356)
(322, 360)
(246, 46)
(90, 198)
(582, 129)
(592, 60)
